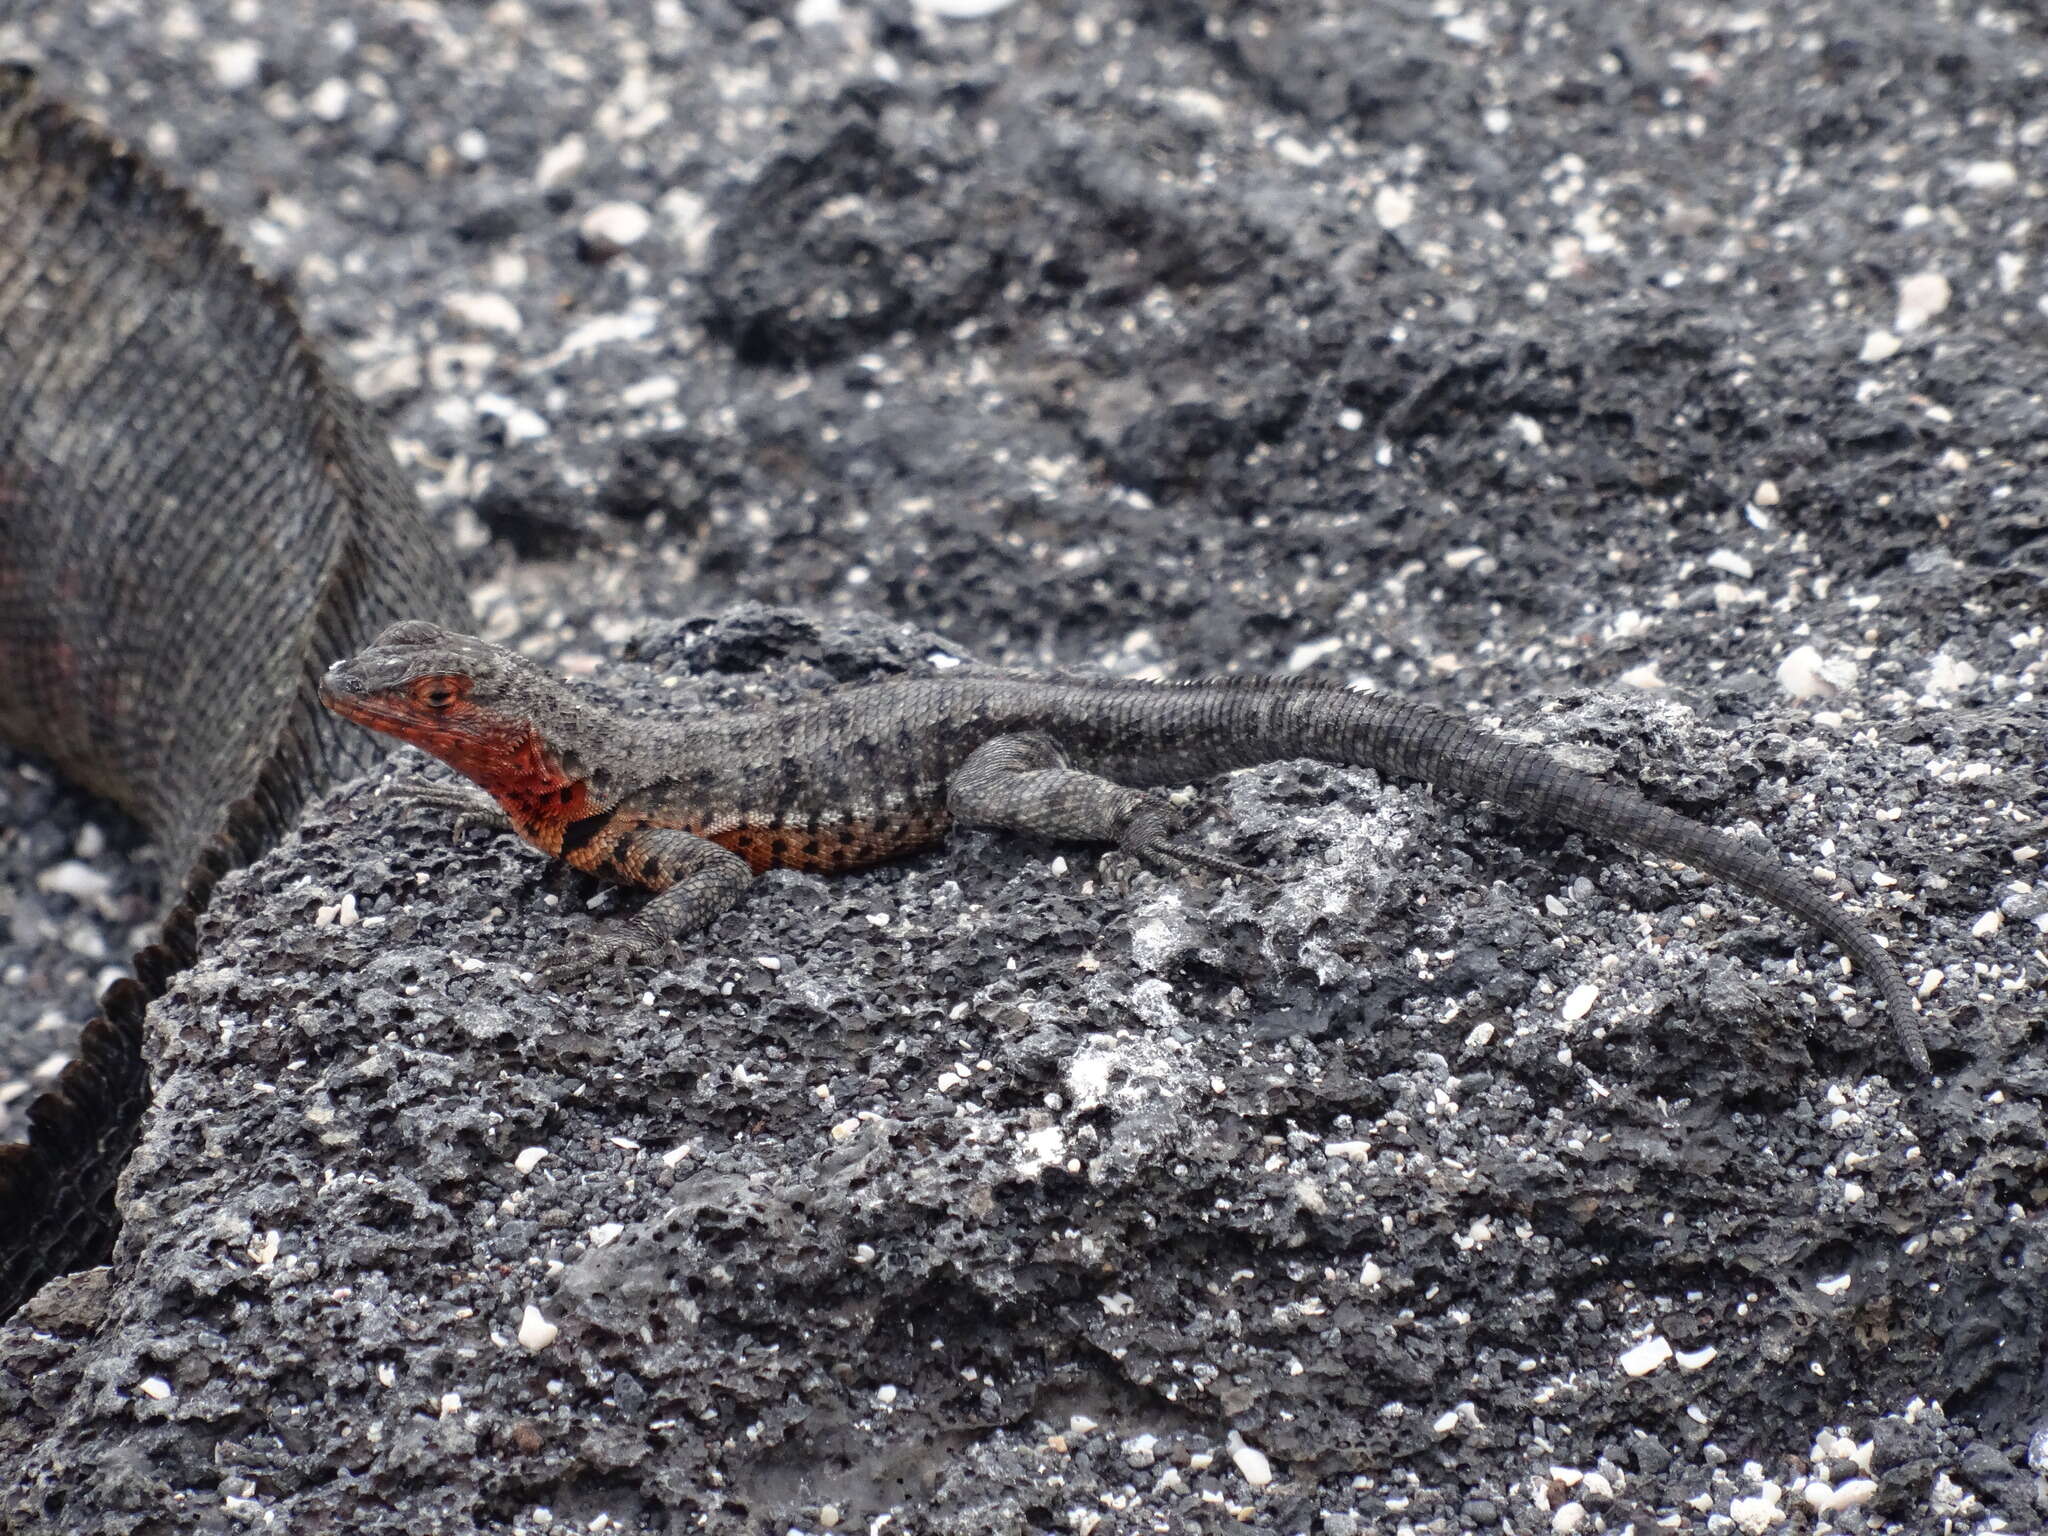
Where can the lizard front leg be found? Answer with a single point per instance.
(1024, 783)
(696, 880)
(472, 807)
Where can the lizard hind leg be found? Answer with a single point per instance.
(696, 879)
(1024, 783)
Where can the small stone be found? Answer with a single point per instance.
(558, 162)
(329, 101)
(79, 881)
(1568, 1517)
(1647, 1356)
(536, 1333)
(1696, 1359)
(1757, 1513)
(1878, 346)
(965, 10)
(1734, 564)
(610, 228)
(484, 312)
(1991, 175)
(1948, 674)
(1393, 207)
(1252, 1464)
(1806, 674)
(1921, 297)
(154, 1386)
(235, 64)
(1580, 1003)
(1834, 1285)
(523, 425)
(529, 1159)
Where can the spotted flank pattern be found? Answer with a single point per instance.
(827, 850)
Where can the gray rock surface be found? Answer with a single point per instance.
(1516, 359)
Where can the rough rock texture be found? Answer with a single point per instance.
(1502, 356)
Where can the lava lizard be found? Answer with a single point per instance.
(693, 809)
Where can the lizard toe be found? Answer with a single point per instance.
(1172, 855)
(597, 952)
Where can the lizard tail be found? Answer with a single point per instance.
(1420, 741)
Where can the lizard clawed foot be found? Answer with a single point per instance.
(472, 807)
(597, 952)
(1146, 840)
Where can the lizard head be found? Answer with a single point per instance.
(474, 705)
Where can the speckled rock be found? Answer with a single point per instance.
(1519, 361)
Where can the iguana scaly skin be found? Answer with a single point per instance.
(194, 519)
(692, 809)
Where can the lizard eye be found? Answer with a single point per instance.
(435, 692)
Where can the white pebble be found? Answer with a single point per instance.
(965, 10)
(1806, 674)
(1834, 1285)
(529, 1160)
(652, 390)
(79, 881)
(1696, 1359)
(1988, 924)
(1766, 494)
(1252, 1464)
(536, 1333)
(558, 162)
(1445, 1423)
(236, 64)
(1580, 1003)
(615, 226)
(329, 101)
(1734, 564)
(1647, 1356)
(605, 1235)
(1921, 297)
(484, 312)
(1826, 1499)
(1948, 674)
(1991, 175)
(524, 426)
(1568, 1517)
(1759, 1512)
(1393, 207)
(1878, 346)
(154, 1386)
